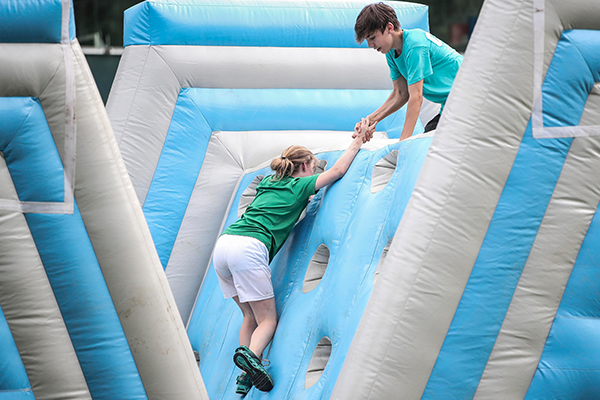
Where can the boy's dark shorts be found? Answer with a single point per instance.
(431, 125)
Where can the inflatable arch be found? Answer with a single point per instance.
(86, 311)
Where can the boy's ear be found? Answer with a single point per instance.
(390, 27)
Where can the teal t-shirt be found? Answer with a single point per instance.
(425, 57)
(274, 211)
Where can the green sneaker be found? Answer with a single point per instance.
(247, 361)
(243, 384)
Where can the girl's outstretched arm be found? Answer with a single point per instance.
(343, 163)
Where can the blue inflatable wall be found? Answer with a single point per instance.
(464, 312)
(355, 225)
(574, 69)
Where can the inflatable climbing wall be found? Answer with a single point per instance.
(86, 311)
(206, 95)
(263, 76)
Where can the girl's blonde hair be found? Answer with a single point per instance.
(290, 161)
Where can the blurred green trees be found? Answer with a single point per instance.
(100, 22)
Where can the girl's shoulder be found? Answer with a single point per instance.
(271, 181)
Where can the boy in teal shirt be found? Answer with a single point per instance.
(420, 65)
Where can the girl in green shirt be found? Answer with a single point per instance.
(243, 252)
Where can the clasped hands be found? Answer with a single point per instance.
(364, 127)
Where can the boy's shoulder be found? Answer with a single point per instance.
(415, 38)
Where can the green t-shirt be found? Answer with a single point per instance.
(274, 211)
(425, 57)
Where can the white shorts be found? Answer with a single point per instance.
(242, 266)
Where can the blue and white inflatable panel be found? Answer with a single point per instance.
(494, 295)
(323, 276)
(86, 312)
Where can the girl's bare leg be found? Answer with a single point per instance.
(248, 324)
(266, 317)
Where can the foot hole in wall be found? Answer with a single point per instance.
(318, 362)
(381, 260)
(316, 268)
(320, 167)
(249, 194)
(383, 171)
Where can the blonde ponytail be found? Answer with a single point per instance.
(290, 161)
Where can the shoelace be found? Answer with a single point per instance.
(265, 362)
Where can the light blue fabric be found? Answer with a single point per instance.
(67, 254)
(261, 23)
(425, 57)
(33, 21)
(176, 173)
(355, 225)
(17, 395)
(570, 364)
(512, 232)
(25, 138)
(86, 306)
(13, 377)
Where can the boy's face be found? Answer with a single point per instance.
(381, 41)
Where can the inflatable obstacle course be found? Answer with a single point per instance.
(460, 264)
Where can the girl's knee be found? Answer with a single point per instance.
(272, 322)
(250, 320)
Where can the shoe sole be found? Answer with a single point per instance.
(260, 379)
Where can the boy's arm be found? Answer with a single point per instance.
(415, 101)
(394, 102)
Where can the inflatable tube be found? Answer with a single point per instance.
(77, 256)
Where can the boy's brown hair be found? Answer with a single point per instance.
(372, 18)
